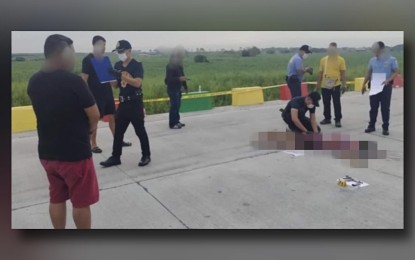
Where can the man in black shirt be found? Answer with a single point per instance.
(66, 115)
(295, 111)
(131, 109)
(102, 91)
(175, 81)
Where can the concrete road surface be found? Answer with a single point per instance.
(207, 175)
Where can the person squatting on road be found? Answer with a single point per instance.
(66, 115)
(294, 114)
(130, 75)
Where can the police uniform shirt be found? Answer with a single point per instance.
(298, 103)
(294, 65)
(387, 64)
(134, 70)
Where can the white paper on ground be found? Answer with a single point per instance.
(295, 152)
(376, 83)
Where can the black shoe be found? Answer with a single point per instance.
(181, 124)
(126, 144)
(325, 122)
(370, 129)
(144, 161)
(112, 161)
(385, 132)
(176, 126)
(338, 124)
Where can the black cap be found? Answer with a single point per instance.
(315, 96)
(305, 48)
(122, 46)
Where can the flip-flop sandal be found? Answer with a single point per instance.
(96, 150)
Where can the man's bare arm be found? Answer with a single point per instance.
(367, 78)
(319, 80)
(85, 77)
(296, 121)
(93, 115)
(313, 122)
(394, 74)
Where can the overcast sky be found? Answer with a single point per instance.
(32, 42)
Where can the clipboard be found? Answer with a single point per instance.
(102, 68)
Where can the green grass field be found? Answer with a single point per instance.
(223, 72)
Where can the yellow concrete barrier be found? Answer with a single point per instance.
(23, 119)
(358, 84)
(247, 96)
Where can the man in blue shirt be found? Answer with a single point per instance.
(296, 70)
(385, 64)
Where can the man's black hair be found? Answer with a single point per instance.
(333, 44)
(381, 45)
(56, 43)
(98, 38)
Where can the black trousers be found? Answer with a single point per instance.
(294, 84)
(327, 95)
(130, 112)
(303, 119)
(175, 95)
(384, 100)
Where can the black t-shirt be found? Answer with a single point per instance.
(59, 99)
(298, 103)
(98, 89)
(135, 69)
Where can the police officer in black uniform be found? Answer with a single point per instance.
(294, 114)
(130, 110)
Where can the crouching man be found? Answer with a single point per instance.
(294, 114)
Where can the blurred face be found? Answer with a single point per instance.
(99, 48)
(377, 51)
(68, 58)
(178, 55)
(332, 51)
(178, 59)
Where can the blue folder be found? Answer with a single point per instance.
(102, 68)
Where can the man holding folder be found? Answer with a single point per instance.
(92, 66)
(383, 68)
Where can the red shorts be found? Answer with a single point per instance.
(72, 180)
